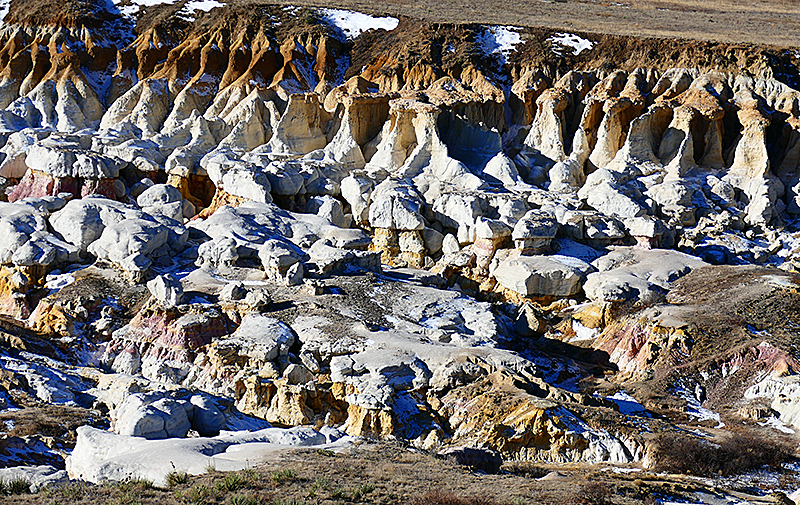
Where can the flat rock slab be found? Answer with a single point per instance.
(555, 275)
(101, 455)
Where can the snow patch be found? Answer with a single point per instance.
(778, 425)
(696, 410)
(135, 6)
(202, 5)
(582, 332)
(56, 282)
(353, 24)
(628, 405)
(500, 40)
(578, 44)
(188, 9)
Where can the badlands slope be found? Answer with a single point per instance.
(230, 231)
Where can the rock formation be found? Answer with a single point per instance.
(249, 222)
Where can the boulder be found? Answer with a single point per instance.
(534, 232)
(259, 338)
(635, 274)
(329, 208)
(485, 460)
(140, 416)
(554, 275)
(167, 289)
(282, 261)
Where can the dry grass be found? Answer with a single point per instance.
(370, 474)
(759, 22)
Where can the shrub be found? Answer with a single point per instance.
(595, 493)
(733, 455)
(141, 483)
(525, 469)
(15, 486)
(197, 494)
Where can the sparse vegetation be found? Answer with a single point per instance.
(243, 499)
(289, 501)
(360, 491)
(525, 469)
(443, 498)
(595, 493)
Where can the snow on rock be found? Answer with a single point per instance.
(628, 405)
(582, 332)
(695, 409)
(352, 24)
(133, 7)
(38, 477)
(565, 40)
(4, 9)
(777, 424)
(501, 40)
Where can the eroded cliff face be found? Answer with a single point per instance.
(259, 166)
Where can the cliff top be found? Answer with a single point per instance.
(763, 22)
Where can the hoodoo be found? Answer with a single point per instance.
(232, 230)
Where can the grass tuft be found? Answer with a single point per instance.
(359, 492)
(243, 499)
(177, 478)
(231, 482)
(283, 475)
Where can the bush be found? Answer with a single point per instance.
(198, 494)
(733, 455)
(525, 469)
(441, 498)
